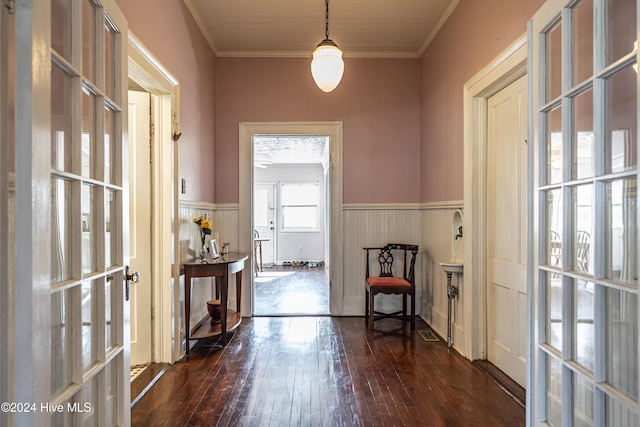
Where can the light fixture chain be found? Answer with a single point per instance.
(326, 17)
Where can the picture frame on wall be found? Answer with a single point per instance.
(213, 248)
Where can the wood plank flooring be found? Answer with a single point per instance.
(325, 371)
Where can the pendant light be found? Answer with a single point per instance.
(327, 66)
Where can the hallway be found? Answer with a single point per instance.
(299, 290)
(280, 371)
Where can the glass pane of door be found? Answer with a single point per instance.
(585, 127)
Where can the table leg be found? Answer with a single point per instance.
(261, 256)
(187, 309)
(238, 291)
(224, 297)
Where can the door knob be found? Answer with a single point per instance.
(133, 278)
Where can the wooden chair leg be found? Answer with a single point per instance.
(366, 306)
(372, 313)
(413, 311)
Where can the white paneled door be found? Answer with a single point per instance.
(506, 230)
(140, 225)
(584, 274)
(264, 208)
(68, 330)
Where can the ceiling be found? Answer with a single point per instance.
(289, 149)
(292, 28)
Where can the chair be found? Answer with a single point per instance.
(583, 241)
(555, 248)
(387, 283)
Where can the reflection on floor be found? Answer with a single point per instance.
(291, 291)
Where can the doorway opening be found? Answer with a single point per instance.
(334, 243)
(291, 194)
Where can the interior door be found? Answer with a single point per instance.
(140, 225)
(506, 230)
(264, 220)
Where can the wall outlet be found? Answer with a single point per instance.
(299, 249)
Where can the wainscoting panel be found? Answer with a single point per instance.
(226, 230)
(375, 226)
(437, 242)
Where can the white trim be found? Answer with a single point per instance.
(227, 206)
(298, 54)
(192, 204)
(6, 191)
(449, 204)
(502, 71)
(380, 206)
(203, 29)
(147, 71)
(138, 51)
(445, 17)
(334, 130)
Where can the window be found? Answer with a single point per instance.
(299, 206)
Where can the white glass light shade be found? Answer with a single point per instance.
(327, 66)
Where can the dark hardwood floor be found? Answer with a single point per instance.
(326, 371)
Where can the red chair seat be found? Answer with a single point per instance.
(388, 281)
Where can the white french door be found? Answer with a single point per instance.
(585, 214)
(68, 325)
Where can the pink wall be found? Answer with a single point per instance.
(474, 35)
(403, 119)
(377, 100)
(167, 29)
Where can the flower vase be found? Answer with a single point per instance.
(203, 251)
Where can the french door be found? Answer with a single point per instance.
(68, 325)
(584, 272)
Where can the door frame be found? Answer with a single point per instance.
(152, 76)
(505, 69)
(335, 220)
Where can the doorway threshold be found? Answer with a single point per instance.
(146, 379)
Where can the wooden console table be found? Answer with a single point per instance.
(221, 268)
